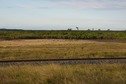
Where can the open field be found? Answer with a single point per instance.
(57, 48)
(61, 34)
(51, 45)
(60, 74)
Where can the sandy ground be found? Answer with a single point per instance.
(46, 41)
(42, 41)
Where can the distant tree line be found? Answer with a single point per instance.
(64, 34)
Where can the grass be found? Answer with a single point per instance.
(103, 44)
(39, 49)
(30, 34)
(64, 74)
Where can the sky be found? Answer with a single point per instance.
(63, 14)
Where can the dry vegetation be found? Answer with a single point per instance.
(38, 49)
(64, 74)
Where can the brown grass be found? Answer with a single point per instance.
(69, 74)
(38, 49)
(41, 42)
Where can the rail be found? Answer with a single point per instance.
(64, 61)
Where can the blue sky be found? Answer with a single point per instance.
(63, 14)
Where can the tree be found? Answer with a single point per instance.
(77, 28)
(69, 29)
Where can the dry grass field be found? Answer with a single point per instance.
(64, 74)
(53, 48)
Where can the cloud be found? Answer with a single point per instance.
(91, 4)
(68, 4)
(31, 7)
(24, 6)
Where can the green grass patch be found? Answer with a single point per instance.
(30, 34)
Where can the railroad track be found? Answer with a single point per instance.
(63, 61)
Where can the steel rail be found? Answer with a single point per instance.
(64, 61)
